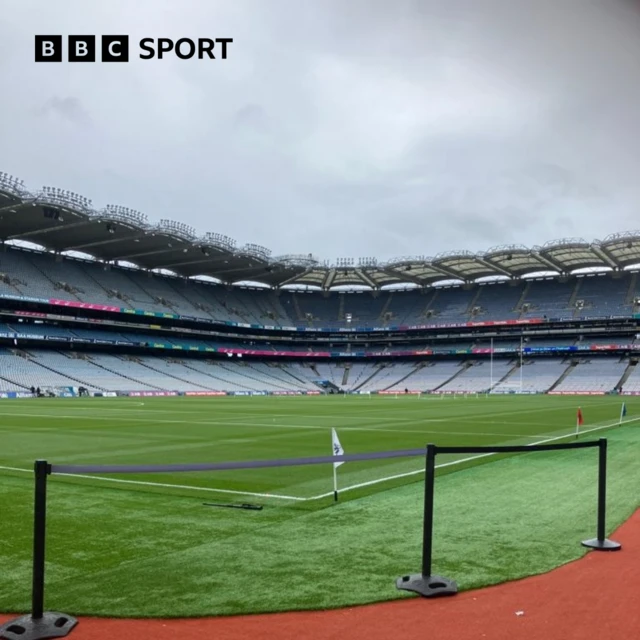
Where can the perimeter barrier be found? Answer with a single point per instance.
(41, 624)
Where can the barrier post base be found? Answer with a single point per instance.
(427, 586)
(602, 545)
(51, 625)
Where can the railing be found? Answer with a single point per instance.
(428, 585)
(40, 624)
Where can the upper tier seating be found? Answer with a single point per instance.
(43, 275)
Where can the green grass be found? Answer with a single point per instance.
(149, 548)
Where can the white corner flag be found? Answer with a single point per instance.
(337, 451)
(623, 411)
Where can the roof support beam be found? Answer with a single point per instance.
(328, 279)
(448, 272)
(29, 234)
(101, 243)
(555, 266)
(495, 267)
(366, 279)
(403, 275)
(606, 256)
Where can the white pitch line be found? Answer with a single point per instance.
(166, 485)
(463, 460)
(287, 426)
(323, 495)
(231, 423)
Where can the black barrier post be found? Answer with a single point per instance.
(39, 624)
(424, 583)
(601, 543)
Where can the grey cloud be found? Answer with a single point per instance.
(343, 128)
(70, 109)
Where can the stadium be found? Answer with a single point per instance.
(557, 319)
(138, 343)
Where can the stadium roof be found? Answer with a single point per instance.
(62, 221)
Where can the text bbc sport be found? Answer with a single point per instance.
(116, 48)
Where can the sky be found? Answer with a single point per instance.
(340, 128)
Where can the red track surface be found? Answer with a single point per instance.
(595, 597)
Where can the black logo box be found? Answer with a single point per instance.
(82, 48)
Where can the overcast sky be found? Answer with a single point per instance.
(340, 127)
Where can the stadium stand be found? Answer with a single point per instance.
(110, 326)
(429, 377)
(632, 383)
(538, 376)
(601, 375)
(477, 377)
(37, 274)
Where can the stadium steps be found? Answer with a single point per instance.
(474, 301)
(134, 289)
(574, 294)
(89, 275)
(273, 382)
(627, 372)
(180, 294)
(463, 367)
(566, 372)
(385, 308)
(275, 378)
(511, 371)
(122, 375)
(36, 266)
(13, 287)
(345, 375)
(64, 374)
(296, 308)
(13, 382)
(217, 378)
(171, 375)
(373, 375)
(397, 382)
(434, 297)
(295, 377)
(523, 297)
(631, 293)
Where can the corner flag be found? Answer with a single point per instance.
(623, 411)
(337, 447)
(337, 451)
(579, 421)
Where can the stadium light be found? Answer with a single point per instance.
(178, 229)
(125, 214)
(220, 241)
(254, 250)
(297, 260)
(11, 183)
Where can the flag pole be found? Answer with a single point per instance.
(520, 364)
(337, 451)
(491, 367)
(578, 421)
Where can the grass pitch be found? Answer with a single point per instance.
(144, 545)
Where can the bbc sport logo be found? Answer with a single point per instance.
(116, 48)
